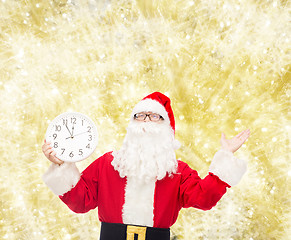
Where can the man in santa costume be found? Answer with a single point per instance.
(140, 189)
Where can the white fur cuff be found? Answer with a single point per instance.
(227, 167)
(61, 179)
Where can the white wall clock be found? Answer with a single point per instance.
(73, 136)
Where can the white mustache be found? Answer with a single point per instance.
(145, 127)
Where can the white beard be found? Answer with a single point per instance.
(148, 151)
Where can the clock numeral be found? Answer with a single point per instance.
(89, 129)
(63, 150)
(82, 122)
(56, 145)
(80, 151)
(58, 128)
(73, 120)
(55, 136)
(90, 138)
(88, 146)
(65, 122)
(71, 154)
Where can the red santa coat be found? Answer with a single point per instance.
(101, 186)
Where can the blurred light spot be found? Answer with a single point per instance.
(55, 91)
(68, 236)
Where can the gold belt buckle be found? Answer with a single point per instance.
(140, 231)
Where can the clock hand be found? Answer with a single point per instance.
(73, 130)
(80, 133)
(69, 130)
(77, 135)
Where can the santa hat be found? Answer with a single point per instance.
(157, 103)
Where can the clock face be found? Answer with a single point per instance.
(73, 136)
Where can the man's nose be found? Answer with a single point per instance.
(147, 119)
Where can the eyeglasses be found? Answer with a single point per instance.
(152, 116)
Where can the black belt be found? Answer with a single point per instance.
(118, 231)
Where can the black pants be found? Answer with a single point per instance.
(118, 231)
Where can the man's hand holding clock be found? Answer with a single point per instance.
(50, 154)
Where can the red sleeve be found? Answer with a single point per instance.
(84, 196)
(200, 193)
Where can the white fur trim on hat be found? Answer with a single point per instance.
(61, 179)
(150, 105)
(227, 167)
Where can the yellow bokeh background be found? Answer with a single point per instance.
(224, 64)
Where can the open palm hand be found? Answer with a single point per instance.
(234, 143)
